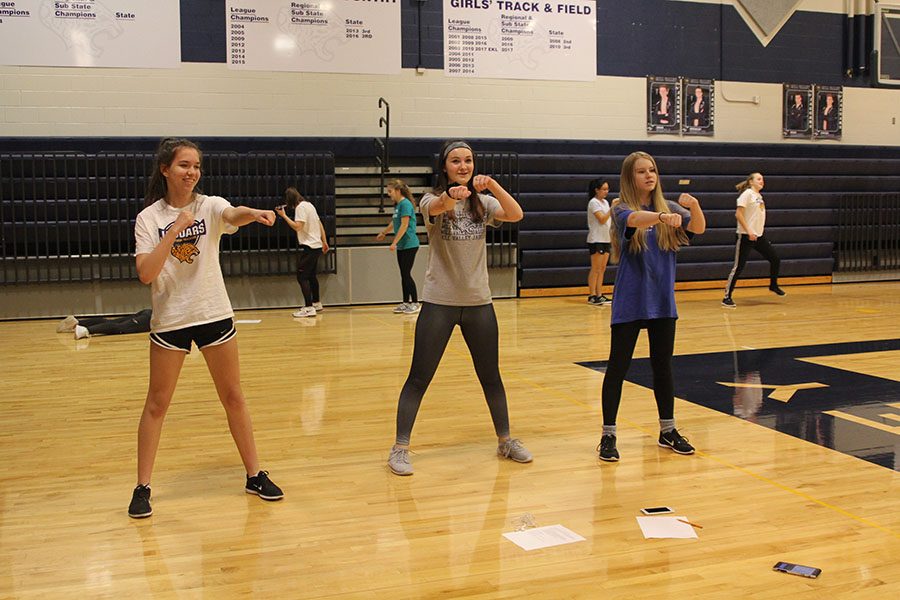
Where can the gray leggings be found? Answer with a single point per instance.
(433, 329)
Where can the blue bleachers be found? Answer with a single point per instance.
(801, 194)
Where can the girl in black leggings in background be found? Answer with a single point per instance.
(456, 292)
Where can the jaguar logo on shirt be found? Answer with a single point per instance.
(185, 247)
(463, 227)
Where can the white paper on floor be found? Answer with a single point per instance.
(666, 527)
(543, 537)
(250, 321)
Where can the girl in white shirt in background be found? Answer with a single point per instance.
(177, 253)
(313, 244)
(598, 239)
(751, 222)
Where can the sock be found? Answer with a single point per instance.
(666, 425)
(609, 430)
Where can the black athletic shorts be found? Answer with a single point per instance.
(208, 334)
(598, 247)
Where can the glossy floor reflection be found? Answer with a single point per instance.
(810, 392)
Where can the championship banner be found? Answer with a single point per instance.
(507, 39)
(91, 33)
(320, 36)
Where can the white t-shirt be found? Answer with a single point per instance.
(754, 211)
(457, 273)
(311, 233)
(597, 231)
(190, 289)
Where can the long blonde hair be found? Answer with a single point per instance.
(669, 239)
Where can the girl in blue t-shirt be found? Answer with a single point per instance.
(646, 233)
(405, 243)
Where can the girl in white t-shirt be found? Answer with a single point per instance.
(598, 239)
(313, 243)
(177, 253)
(751, 223)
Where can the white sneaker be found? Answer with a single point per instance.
(81, 332)
(400, 308)
(412, 308)
(306, 311)
(67, 325)
(318, 306)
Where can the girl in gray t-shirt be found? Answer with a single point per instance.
(456, 292)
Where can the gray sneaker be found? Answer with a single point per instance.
(400, 308)
(412, 308)
(398, 461)
(514, 450)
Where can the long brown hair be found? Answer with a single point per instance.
(668, 239)
(745, 184)
(400, 186)
(473, 202)
(292, 197)
(165, 154)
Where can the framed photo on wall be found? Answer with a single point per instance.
(699, 108)
(663, 105)
(796, 120)
(829, 105)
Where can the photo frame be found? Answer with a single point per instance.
(698, 115)
(663, 104)
(797, 113)
(828, 109)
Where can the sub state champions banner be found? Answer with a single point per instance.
(508, 39)
(324, 36)
(90, 33)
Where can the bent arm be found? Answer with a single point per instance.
(509, 211)
(150, 265)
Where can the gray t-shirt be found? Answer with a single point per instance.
(457, 272)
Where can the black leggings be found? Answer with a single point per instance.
(661, 334)
(306, 274)
(433, 329)
(405, 260)
(136, 323)
(742, 251)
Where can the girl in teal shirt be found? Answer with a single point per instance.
(405, 243)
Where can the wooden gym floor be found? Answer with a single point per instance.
(323, 397)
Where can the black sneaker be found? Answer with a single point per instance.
(674, 440)
(592, 299)
(140, 503)
(607, 448)
(728, 303)
(601, 300)
(776, 290)
(262, 486)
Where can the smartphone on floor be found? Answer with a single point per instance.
(802, 571)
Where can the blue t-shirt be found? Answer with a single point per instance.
(405, 208)
(645, 282)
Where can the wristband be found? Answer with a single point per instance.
(660, 217)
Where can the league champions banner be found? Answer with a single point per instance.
(320, 36)
(828, 108)
(91, 33)
(663, 104)
(508, 39)
(796, 120)
(698, 115)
